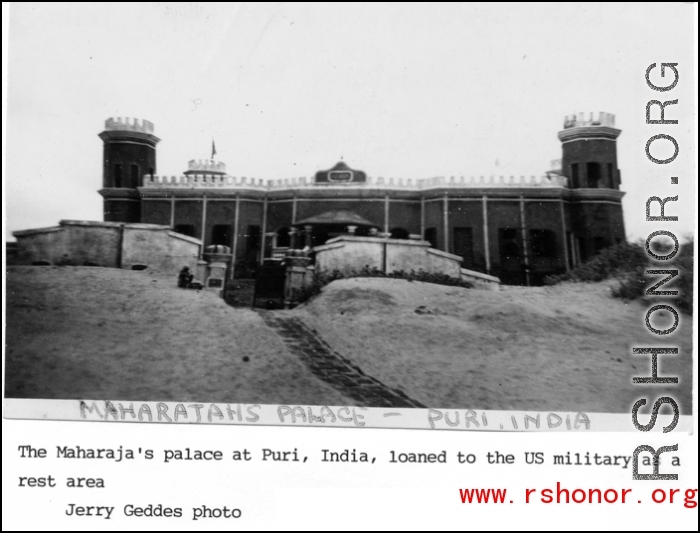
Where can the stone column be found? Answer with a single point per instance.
(204, 223)
(307, 235)
(386, 213)
(487, 251)
(264, 231)
(293, 238)
(525, 240)
(563, 235)
(234, 245)
(297, 277)
(446, 223)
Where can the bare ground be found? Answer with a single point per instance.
(567, 347)
(94, 333)
(81, 332)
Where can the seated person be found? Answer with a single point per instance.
(184, 278)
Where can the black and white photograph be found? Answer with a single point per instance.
(451, 216)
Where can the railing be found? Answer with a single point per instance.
(209, 181)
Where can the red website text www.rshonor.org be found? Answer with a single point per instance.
(687, 497)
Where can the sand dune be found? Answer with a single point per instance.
(81, 332)
(567, 347)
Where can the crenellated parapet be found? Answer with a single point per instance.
(204, 181)
(205, 166)
(585, 126)
(126, 130)
(585, 120)
(494, 181)
(128, 124)
(428, 183)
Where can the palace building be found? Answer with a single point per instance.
(519, 229)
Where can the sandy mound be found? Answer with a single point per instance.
(567, 347)
(81, 332)
(513, 309)
(358, 301)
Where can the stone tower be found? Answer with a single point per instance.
(589, 151)
(129, 154)
(589, 161)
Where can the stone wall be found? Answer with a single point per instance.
(417, 255)
(348, 253)
(70, 244)
(346, 256)
(107, 244)
(160, 248)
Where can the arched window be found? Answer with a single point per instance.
(399, 233)
(283, 240)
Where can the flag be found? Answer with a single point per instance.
(213, 149)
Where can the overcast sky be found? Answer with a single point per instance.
(396, 90)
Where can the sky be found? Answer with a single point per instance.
(394, 89)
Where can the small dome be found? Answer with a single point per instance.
(338, 216)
